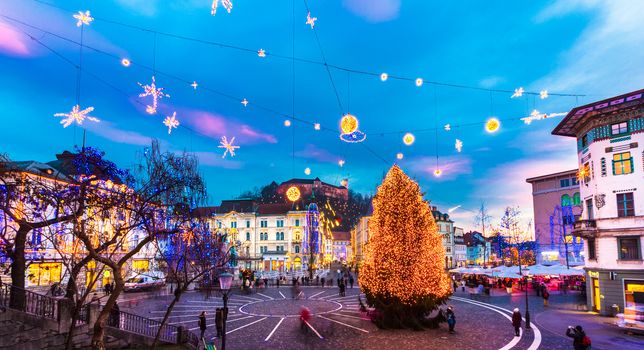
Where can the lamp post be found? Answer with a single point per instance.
(524, 273)
(225, 282)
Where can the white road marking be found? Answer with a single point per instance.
(344, 324)
(311, 297)
(247, 297)
(237, 319)
(356, 317)
(342, 298)
(193, 311)
(246, 325)
(313, 329)
(282, 295)
(214, 302)
(264, 295)
(274, 329)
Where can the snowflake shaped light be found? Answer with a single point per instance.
(83, 18)
(458, 144)
(194, 85)
(261, 53)
(341, 162)
(543, 94)
(227, 4)
(228, 146)
(156, 93)
(244, 102)
(447, 127)
(518, 92)
(76, 115)
(310, 20)
(171, 122)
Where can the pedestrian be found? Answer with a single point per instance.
(351, 281)
(322, 280)
(509, 287)
(546, 296)
(462, 285)
(305, 316)
(580, 340)
(516, 321)
(219, 321)
(106, 288)
(277, 282)
(451, 319)
(202, 323)
(317, 280)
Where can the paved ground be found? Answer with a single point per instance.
(269, 319)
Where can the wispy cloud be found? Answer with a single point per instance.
(609, 49)
(374, 10)
(215, 160)
(311, 151)
(13, 42)
(540, 140)
(109, 131)
(451, 166)
(216, 126)
(141, 7)
(491, 82)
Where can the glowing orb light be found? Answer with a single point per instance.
(492, 125)
(307, 171)
(438, 172)
(287, 123)
(125, 62)
(399, 156)
(419, 82)
(408, 139)
(348, 124)
(344, 183)
(384, 76)
(293, 193)
(316, 126)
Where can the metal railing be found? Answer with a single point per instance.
(32, 303)
(142, 326)
(193, 341)
(584, 224)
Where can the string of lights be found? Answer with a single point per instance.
(327, 65)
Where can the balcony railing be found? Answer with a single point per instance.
(584, 225)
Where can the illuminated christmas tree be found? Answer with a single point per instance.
(402, 274)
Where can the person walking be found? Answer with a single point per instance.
(115, 316)
(351, 281)
(516, 321)
(546, 296)
(580, 341)
(202, 323)
(451, 319)
(462, 285)
(322, 280)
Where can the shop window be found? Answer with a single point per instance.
(141, 265)
(44, 274)
(629, 248)
(622, 163)
(625, 204)
(633, 300)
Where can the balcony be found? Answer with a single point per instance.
(584, 228)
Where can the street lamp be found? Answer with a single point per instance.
(225, 282)
(525, 272)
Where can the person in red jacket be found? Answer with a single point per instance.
(516, 321)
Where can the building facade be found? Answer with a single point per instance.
(610, 145)
(557, 202)
(446, 230)
(478, 248)
(460, 248)
(359, 237)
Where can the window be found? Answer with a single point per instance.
(589, 209)
(585, 173)
(622, 163)
(247, 223)
(263, 236)
(564, 183)
(576, 199)
(592, 255)
(280, 248)
(233, 224)
(574, 181)
(248, 236)
(263, 223)
(625, 204)
(263, 249)
(279, 236)
(619, 128)
(584, 141)
(629, 248)
(297, 222)
(280, 223)
(218, 224)
(565, 200)
(297, 249)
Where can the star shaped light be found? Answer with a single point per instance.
(227, 4)
(316, 126)
(244, 102)
(458, 144)
(83, 18)
(448, 127)
(171, 122)
(261, 53)
(194, 85)
(543, 94)
(76, 115)
(310, 20)
(518, 92)
(228, 146)
(341, 162)
(155, 92)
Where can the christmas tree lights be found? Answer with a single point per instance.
(402, 274)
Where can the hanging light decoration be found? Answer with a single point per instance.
(244, 102)
(293, 193)
(287, 123)
(438, 172)
(307, 171)
(341, 162)
(518, 92)
(172, 122)
(419, 82)
(384, 76)
(227, 146)
(458, 145)
(154, 91)
(227, 4)
(261, 53)
(447, 127)
(125, 62)
(316, 126)
(349, 127)
(399, 156)
(194, 85)
(84, 18)
(76, 115)
(408, 139)
(492, 125)
(543, 94)
(310, 20)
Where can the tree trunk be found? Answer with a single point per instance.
(177, 295)
(98, 338)
(18, 267)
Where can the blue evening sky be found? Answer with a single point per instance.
(573, 46)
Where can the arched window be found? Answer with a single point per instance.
(576, 199)
(297, 249)
(565, 200)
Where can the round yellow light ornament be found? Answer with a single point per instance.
(293, 193)
(492, 125)
(348, 124)
(409, 139)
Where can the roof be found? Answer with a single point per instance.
(441, 216)
(310, 181)
(36, 168)
(570, 124)
(551, 176)
(341, 236)
(238, 205)
(204, 211)
(279, 208)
